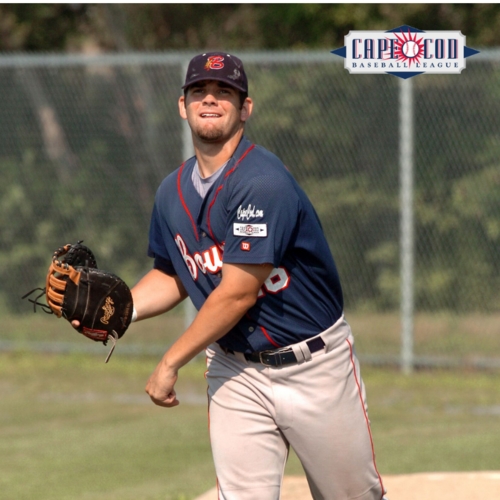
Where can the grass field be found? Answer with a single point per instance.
(75, 428)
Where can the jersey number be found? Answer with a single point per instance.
(278, 280)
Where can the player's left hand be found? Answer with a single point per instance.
(160, 386)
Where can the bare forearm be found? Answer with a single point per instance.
(224, 307)
(218, 315)
(157, 293)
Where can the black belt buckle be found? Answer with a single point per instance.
(267, 362)
(279, 358)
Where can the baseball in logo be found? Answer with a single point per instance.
(410, 49)
(214, 62)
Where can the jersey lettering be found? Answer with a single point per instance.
(278, 280)
(212, 260)
(207, 261)
(199, 261)
(189, 261)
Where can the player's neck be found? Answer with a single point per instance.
(212, 156)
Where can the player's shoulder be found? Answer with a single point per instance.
(260, 162)
(261, 156)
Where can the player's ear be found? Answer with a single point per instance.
(182, 107)
(246, 109)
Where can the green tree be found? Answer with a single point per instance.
(119, 27)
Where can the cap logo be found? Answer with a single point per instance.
(236, 75)
(214, 62)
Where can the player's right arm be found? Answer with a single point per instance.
(157, 293)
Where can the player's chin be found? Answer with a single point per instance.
(210, 133)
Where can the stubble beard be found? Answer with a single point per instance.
(210, 135)
(214, 133)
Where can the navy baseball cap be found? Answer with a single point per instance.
(217, 66)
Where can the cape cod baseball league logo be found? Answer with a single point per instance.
(404, 52)
(254, 230)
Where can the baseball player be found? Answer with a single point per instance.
(232, 230)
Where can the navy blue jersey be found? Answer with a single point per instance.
(255, 213)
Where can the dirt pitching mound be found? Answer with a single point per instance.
(423, 486)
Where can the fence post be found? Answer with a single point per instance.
(407, 224)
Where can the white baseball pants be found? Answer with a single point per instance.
(317, 406)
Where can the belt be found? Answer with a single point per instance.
(283, 356)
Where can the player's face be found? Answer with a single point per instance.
(214, 111)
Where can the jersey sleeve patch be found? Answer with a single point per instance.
(250, 230)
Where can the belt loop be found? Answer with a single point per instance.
(305, 351)
(298, 353)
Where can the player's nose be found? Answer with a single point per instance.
(209, 98)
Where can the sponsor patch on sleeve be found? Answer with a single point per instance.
(250, 230)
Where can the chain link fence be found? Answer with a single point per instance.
(85, 141)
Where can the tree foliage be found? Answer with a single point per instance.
(118, 27)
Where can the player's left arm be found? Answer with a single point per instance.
(157, 293)
(225, 306)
